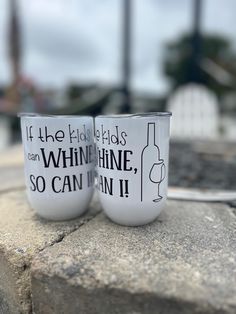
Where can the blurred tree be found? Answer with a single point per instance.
(76, 90)
(217, 63)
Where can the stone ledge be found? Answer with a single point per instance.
(11, 178)
(11, 169)
(13, 156)
(23, 235)
(185, 262)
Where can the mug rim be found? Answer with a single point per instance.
(49, 116)
(137, 115)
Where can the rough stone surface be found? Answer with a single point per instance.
(22, 236)
(184, 262)
(211, 166)
(12, 156)
(11, 178)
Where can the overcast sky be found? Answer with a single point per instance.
(69, 40)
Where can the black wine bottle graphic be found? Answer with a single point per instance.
(152, 168)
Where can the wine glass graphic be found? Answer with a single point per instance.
(157, 175)
(153, 170)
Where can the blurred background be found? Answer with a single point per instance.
(121, 56)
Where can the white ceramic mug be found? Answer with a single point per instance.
(132, 153)
(59, 164)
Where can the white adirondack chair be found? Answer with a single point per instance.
(195, 113)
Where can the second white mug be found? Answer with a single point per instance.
(132, 153)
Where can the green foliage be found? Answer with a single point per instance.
(178, 58)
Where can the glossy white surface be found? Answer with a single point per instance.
(58, 187)
(132, 165)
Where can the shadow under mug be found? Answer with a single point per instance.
(132, 153)
(59, 164)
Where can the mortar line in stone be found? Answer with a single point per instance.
(61, 238)
(27, 266)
